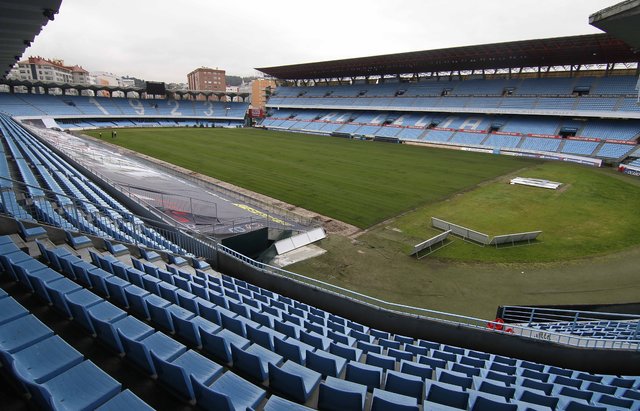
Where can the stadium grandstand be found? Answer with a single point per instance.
(570, 98)
(101, 308)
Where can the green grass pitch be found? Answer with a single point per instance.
(364, 183)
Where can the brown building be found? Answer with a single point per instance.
(260, 91)
(207, 79)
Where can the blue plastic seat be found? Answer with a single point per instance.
(346, 352)
(151, 284)
(115, 249)
(481, 403)
(337, 394)
(315, 340)
(389, 343)
(579, 406)
(107, 330)
(168, 291)
(149, 255)
(400, 354)
(57, 289)
(160, 311)
(446, 356)
(610, 400)
(162, 346)
(10, 309)
(364, 374)
(177, 260)
(340, 338)
(254, 361)
(22, 265)
(503, 368)
(219, 344)
(32, 233)
(293, 380)
(535, 375)
(498, 376)
(181, 372)
(81, 272)
(495, 388)
(189, 327)
(116, 288)
(536, 397)
(547, 388)
(433, 363)
(382, 361)
(43, 360)
(405, 384)
(79, 303)
(325, 363)
(40, 280)
(454, 378)
(276, 403)
(22, 332)
(263, 336)
(445, 394)
(78, 242)
(467, 370)
(228, 393)
(136, 296)
(423, 371)
(292, 349)
(82, 387)
(97, 278)
(573, 393)
(390, 401)
(126, 400)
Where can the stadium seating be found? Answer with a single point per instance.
(93, 112)
(554, 102)
(395, 375)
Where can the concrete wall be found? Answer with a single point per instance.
(589, 360)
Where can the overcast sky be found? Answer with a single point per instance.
(163, 40)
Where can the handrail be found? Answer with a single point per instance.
(192, 242)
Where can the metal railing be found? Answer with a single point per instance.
(608, 325)
(101, 221)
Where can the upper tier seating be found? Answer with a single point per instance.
(41, 105)
(606, 94)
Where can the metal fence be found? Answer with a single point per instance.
(105, 221)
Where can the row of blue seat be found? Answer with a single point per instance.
(480, 87)
(187, 373)
(54, 373)
(301, 353)
(50, 105)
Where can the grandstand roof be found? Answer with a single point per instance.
(21, 22)
(559, 51)
(621, 20)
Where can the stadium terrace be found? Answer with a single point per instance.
(159, 289)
